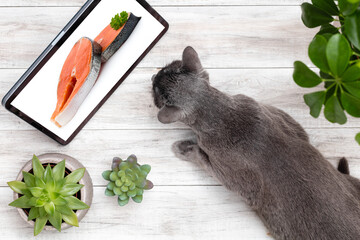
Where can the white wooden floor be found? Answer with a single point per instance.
(248, 46)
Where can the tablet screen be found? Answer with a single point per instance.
(75, 62)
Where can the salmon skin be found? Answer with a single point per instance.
(78, 75)
(111, 40)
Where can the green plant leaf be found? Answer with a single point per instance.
(17, 186)
(313, 16)
(39, 225)
(75, 204)
(71, 219)
(357, 138)
(63, 209)
(351, 104)
(328, 28)
(328, 6)
(333, 111)
(39, 182)
(37, 167)
(138, 198)
(346, 7)
(40, 202)
(317, 53)
(59, 171)
(48, 175)
(353, 88)
(352, 28)
(29, 179)
(123, 202)
(75, 176)
(145, 168)
(70, 189)
(353, 1)
(22, 202)
(304, 77)
(59, 201)
(109, 193)
(338, 54)
(351, 74)
(56, 220)
(315, 101)
(36, 191)
(50, 208)
(106, 175)
(32, 201)
(42, 212)
(33, 213)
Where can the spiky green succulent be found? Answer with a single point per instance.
(127, 179)
(49, 195)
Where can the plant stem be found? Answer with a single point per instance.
(328, 80)
(330, 86)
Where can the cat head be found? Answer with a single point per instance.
(179, 87)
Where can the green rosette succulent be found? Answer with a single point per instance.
(49, 195)
(127, 179)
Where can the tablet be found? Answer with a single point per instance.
(72, 78)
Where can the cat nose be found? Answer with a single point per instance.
(153, 77)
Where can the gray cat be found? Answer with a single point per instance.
(261, 153)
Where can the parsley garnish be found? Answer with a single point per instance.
(119, 20)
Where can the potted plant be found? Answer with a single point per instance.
(335, 50)
(52, 191)
(127, 179)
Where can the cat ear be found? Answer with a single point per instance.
(170, 114)
(191, 61)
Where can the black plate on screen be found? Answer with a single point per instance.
(49, 52)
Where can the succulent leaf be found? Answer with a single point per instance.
(63, 209)
(59, 171)
(106, 175)
(56, 220)
(37, 167)
(149, 185)
(75, 203)
(109, 193)
(48, 175)
(17, 186)
(111, 185)
(138, 198)
(22, 202)
(59, 201)
(39, 182)
(29, 179)
(33, 213)
(71, 219)
(36, 191)
(123, 202)
(39, 224)
(146, 168)
(75, 176)
(70, 189)
(50, 208)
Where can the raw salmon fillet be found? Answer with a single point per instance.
(77, 77)
(111, 40)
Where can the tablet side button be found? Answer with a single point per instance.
(57, 38)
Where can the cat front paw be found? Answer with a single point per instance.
(183, 149)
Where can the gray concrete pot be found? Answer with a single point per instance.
(71, 164)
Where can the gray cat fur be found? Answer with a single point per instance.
(261, 153)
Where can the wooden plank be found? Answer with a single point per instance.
(236, 37)
(134, 108)
(78, 3)
(165, 213)
(96, 148)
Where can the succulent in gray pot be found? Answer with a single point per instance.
(52, 191)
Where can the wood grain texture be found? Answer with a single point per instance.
(96, 148)
(227, 37)
(165, 213)
(134, 106)
(77, 3)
